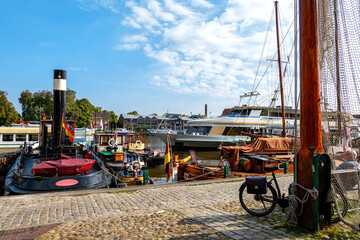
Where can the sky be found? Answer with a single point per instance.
(151, 56)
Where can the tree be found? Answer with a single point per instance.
(133, 113)
(34, 105)
(71, 107)
(154, 114)
(8, 114)
(84, 113)
(25, 101)
(113, 117)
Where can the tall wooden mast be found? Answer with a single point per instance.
(310, 118)
(338, 86)
(283, 133)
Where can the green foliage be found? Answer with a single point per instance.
(34, 105)
(141, 129)
(154, 114)
(113, 117)
(133, 113)
(8, 113)
(84, 113)
(71, 107)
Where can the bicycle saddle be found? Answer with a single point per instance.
(271, 168)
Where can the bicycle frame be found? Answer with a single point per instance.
(281, 200)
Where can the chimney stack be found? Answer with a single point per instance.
(205, 110)
(59, 108)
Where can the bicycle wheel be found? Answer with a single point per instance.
(258, 204)
(343, 206)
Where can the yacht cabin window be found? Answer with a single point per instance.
(20, 137)
(8, 137)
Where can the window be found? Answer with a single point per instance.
(8, 137)
(20, 137)
(33, 137)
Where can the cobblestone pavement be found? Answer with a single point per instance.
(190, 211)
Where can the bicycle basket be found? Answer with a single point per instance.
(256, 185)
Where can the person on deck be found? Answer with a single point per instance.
(350, 161)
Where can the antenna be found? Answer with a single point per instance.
(249, 95)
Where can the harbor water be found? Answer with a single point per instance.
(158, 173)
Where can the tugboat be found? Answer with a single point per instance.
(58, 163)
(126, 165)
(131, 173)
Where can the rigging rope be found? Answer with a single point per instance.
(294, 202)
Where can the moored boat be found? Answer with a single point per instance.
(243, 160)
(58, 163)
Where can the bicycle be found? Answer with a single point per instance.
(262, 200)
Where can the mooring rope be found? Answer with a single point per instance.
(294, 201)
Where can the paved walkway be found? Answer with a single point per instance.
(208, 208)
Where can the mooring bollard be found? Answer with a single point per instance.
(146, 176)
(286, 167)
(226, 171)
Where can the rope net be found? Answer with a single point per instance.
(339, 71)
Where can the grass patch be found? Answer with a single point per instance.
(123, 191)
(8, 150)
(336, 231)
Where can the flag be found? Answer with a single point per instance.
(68, 129)
(116, 135)
(167, 160)
(346, 137)
(101, 124)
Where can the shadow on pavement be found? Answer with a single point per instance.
(26, 233)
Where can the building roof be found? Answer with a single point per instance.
(130, 116)
(102, 115)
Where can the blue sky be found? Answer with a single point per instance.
(151, 56)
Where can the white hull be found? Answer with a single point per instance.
(201, 141)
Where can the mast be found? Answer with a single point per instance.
(283, 133)
(296, 79)
(338, 95)
(310, 111)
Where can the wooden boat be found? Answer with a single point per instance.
(154, 158)
(244, 160)
(57, 164)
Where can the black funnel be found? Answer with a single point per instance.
(59, 112)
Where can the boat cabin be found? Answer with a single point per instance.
(15, 137)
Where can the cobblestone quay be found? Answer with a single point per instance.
(192, 210)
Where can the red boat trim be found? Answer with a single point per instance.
(66, 182)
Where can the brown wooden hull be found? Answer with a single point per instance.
(193, 172)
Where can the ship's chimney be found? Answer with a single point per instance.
(59, 88)
(205, 110)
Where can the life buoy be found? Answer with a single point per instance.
(111, 142)
(138, 143)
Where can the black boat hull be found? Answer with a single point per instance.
(18, 182)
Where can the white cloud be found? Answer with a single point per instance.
(156, 8)
(202, 3)
(129, 47)
(198, 52)
(135, 38)
(178, 9)
(131, 22)
(88, 5)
